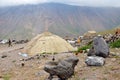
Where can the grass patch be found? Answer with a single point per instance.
(104, 79)
(84, 48)
(83, 78)
(6, 77)
(115, 44)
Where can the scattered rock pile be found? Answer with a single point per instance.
(111, 38)
(98, 52)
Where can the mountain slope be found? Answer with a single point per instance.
(28, 20)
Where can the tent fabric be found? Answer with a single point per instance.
(47, 43)
(89, 34)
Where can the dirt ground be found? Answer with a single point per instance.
(11, 68)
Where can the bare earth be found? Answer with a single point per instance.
(10, 66)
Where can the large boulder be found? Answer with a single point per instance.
(64, 69)
(99, 48)
(95, 61)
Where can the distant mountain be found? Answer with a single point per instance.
(26, 21)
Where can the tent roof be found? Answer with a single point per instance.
(49, 43)
(91, 31)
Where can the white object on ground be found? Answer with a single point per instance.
(23, 54)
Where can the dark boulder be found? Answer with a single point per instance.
(99, 48)
(64, 69)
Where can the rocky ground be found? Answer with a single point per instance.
(11, 68)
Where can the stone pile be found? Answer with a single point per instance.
(98, 52)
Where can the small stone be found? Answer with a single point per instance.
(3, 56)
(95, 61)
(116, 48)
(21, 59)
(113, 59)
(38, 57)
(1, 77)
(41, 73)
(38, 62)
(31, 65)
(118, 54)
(87, 50)
(37, 74)
(22, 64)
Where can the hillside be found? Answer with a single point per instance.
(26, 21)
(108, 31)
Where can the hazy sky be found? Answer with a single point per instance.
(111, 3)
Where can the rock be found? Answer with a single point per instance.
(39, 73)
(1, 76)
(95, 61)
(31, 65)
(30, 58)
(22, 64)
(38, 62)
(64, 69)
(87, 50)
(21, 59)
(99, 48)
(114, 54)
(113, 59)
(91, 52)
(3, 56)
(116, 48)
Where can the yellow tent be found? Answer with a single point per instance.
(48, 43)
(90, 34)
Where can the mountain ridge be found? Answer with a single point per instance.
(64, 20)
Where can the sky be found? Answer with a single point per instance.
(94, 3)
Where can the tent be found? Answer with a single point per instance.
(89, 34)
(47, 43)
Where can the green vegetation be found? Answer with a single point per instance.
(84, 48)
(44, 53)
(104, 79)
(6, 77)
(115, 44)
(55, 53)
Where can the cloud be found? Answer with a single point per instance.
(112, 3)
(19, 2)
